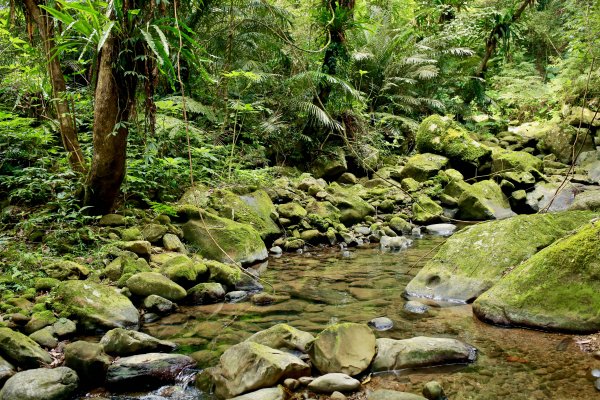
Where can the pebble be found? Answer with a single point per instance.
(332, 382)
(236, 296)
(291, 384)
(381, 323)
(433, 390)
(415, 307)
(596, 373)
(305, 380)
(276, 250)
(337, 396)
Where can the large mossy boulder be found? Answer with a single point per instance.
(558, 139)
(65, 269)
(255, 209)
(347, 348)
(556, 289)
(422, 167)
(456, 274)
(249, 366)
(353, 208)
(419, 352)
(519, 161)
(22, 350)
(283, 336)
(442, 135)
(95, 306)
(331, 164)
(225, 240)
(551, 197)
(41, 384)
(146, 283)
(426, 211)
(185, 271)
(482, 201)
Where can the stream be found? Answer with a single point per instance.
(325, 286)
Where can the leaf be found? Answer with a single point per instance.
(163, 39)
(105, 33)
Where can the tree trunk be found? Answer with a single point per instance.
(114, 99)
(68, 131)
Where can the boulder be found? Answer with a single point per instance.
(275, 393)
(347, 348)
(556, 289)
(159, 305)
(95, 306)
(550, 197)
(394, 243)
(22, 350)
(123, 342)
(185, 271)
(139, 247)
(39, 320)
(384, 394)
(576, 116)
(353, 208)
(112, 220)
(65, 269)
(588, 200)
(172, 243)
(331, 164)
(225, 240)
(422, 167)
(41, 384)
(64, 327)
(154, 232)
(6, 370)
(558, 139)
(333, 382)
(482, 201)
(419, 352)
(433, 390)
(249, 366)
(442, 135)
(454, 274)
(147, 283)
(519, 161)
(225, 274)
(146, 371)
(441, 229)
(45, 337)
(425, 210)
(283, 336)
(89, 361)
(292, 211)
(206, 293)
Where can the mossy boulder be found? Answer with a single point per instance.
(493, 248)
(442, 135)
(558, 139)
(185, 271)
(556, 289)
(323, 209)
(225, 240)
(255, 209)
(65, 269)
(206, 293)
(422, 167)
(131, 234)
(112, 220)
(146, 283)
(347, 348)
(482, 201)
(95, 306)
(124, 342)
(197, 196)
(22, 350)
(89, 361)
(225, 274)
(331, 164)
(588, 200)
(283, 336)
(353, 208)
(519, 161)
(39, 320)
(292, 211)
(154, 232)
(41, 384)
(426, 211)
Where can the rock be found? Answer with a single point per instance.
(575, 116)
(559, 139)
(383, 394)
(64, 327)
(172, 243)
(276, 250)
(394, 243)
(556, 289)
(64, 269)
(353, 208)
(329, 383)
(305, 380)
(198, 196)
(236, 296)
(6, 370)
(516, 161)
(22, 350)
(422, 167)
(347, 178)
(95, 306)
(147, 283)
(249, 366)
(124, 267)
(433, 390)
(139, 247)
(292, 211)
(112, 220)
(275, 393)
(347, 348)
(131, 234)
(283, 336)
(416, 307)
(88, 360)
(41, 384)
(206, 293)
(544, 193)
(123, 342)
(331, 164)
(160, 305)
(419, 352)
(441, 135)
(454, 274)
(154, 232)
(588, 200)
(45, 337)
(484, 200)
(425, 210)
(184, 271)
(149, 370)
(400, 225)
(410, 185)
(337, 396)
(225, 274)
(381, 323)
(441, 229)
(291, 384)
(39, 320)
(46, 284)
(241, 242)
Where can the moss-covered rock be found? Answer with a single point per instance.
(559, 140)
(422, 167)
(292, 211)
(482, 201)
(41, 384)
(39, 320)
(88, 360)
(588, 200)
(21, 350)
(283, 336)
(557, 288)
(206, 293)
(124, 342)
(442, 135)
(95, 306)
(353, 208)
(255, 209)
(65, 269)
(226, 274)
(331, 164)
(131, 234)
(323, 209)
(426, 211)
(225, 240)
(493, 248)
(520, 161)
(154, 232)
(185, 271)
(112, 220)
(400, 225)
(147, 283)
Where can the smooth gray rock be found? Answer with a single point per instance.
(394, 243)
(441, 229)
(89, 361)
(381, 323)
(123, 342)
(283, 336)
(41, 384)
(333, 382)
(416, 307)
(275, 393)
(236, 296)
(6, 370)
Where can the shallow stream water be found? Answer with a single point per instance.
(322, 287)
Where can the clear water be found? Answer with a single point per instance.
(324, 287)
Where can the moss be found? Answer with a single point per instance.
(184, 271)
(422, 167)
(426, 211)
(494, 248)
(130, 234)
(484, 200)
(222, 273)
(515, 161)
(558, 288)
